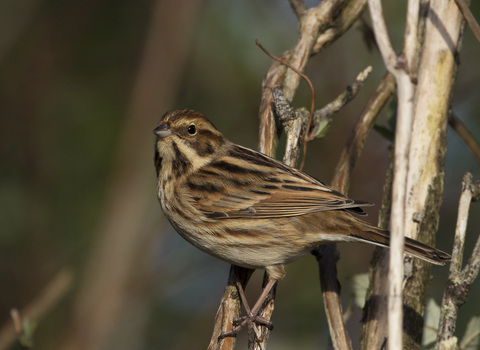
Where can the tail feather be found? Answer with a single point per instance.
(425, 252)
(377, 236)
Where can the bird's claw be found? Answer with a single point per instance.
(248, 321)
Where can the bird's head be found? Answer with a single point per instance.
(186, 140)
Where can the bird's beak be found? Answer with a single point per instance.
(162, 130)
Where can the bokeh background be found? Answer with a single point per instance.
(82, 85)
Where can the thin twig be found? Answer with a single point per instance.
(282, 61)
(47, 299)
(312, 104)
(381, 35)
(24, 329)
(323, 118)
(357, 137)
(465, 10)
(459, 281)
(464, 134)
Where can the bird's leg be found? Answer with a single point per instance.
(253, 313)
(252, 316)
(243, 297)
(261, 299)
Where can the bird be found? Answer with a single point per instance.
(249, 209)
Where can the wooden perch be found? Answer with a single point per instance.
(229, 309)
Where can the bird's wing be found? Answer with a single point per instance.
(247, 184)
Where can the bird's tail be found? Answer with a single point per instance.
(377, 236)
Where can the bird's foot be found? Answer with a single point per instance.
(246, 321)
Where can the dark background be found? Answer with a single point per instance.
(83, 84)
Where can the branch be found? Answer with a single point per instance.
(425, 180)
(463, 7)
(374, 320)
(459, 281)
(230, 307)
(357, 137)
(323, 117)
(294, 123)
(268, 132)
(298, 7)
(405, 90)
(347, 17)
(464, 134)
(46, 300)
(312, 105)
(381, 35)
(411, 32)
(311, 25)
(469, 191)
(327, 255)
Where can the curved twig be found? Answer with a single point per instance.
(312, 105)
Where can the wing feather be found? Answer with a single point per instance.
(247, 184)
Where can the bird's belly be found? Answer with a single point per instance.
(251, 243)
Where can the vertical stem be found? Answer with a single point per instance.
(410, 45)
(436, 76)
(459, 281)
(399, 68)
(395, 272)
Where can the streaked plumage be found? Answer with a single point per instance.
(249, 209)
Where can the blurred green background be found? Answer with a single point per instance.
(83, 84)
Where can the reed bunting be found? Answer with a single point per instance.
(251, 210)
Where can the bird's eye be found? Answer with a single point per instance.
(192, 130)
